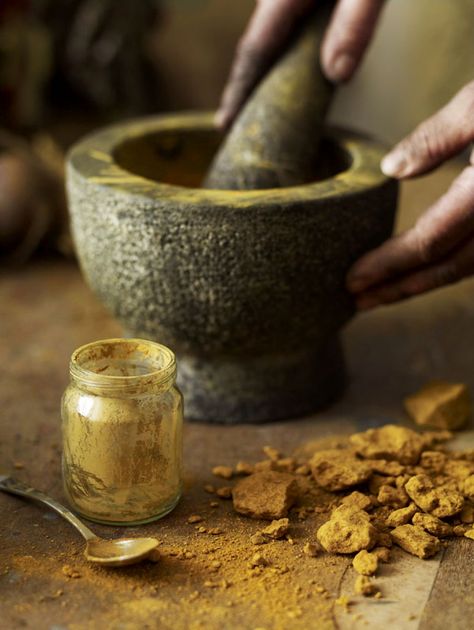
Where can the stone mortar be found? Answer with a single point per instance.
(247, 287)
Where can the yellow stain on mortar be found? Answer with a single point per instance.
(100, 156)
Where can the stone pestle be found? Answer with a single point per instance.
(275, 139)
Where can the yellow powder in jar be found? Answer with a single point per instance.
(122, 435)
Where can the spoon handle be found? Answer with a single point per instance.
(13, 486)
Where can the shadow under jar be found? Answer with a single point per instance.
(122, 432)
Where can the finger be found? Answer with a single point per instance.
(267, 33)
(440, 137)
(434, 235)
(348, 37)
(454, 268)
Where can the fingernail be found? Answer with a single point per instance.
(394, 164)
(341, 68)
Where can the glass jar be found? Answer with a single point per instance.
(122, 432)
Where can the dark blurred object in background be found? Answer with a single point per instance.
(32, 200)
(65, 66)
(79, 54)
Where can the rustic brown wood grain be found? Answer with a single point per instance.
(46, 311)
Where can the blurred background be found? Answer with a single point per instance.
(67, 66)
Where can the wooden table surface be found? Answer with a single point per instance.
(46, 311)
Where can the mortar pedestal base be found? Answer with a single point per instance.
(232, 390)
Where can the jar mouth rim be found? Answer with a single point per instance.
(162, 362)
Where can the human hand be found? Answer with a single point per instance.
(271, 26)
(439, 249)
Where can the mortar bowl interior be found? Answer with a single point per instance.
(181, 157)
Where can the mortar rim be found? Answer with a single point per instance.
(92, 157)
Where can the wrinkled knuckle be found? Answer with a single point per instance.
(428, 248)
(425, 141)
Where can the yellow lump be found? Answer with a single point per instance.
(277, 529)
(268, 495)
(441, 501)
(401, 516)
(365, 563)
(432, 524)
(334, 469)
(440, 405)
(394, 497)
(416, 541)
(390, 442)
(348, 530)
(357, 499)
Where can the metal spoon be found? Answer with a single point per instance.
(111, 553)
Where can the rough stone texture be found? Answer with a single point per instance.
(247, 287)
(389, 442)
(267, 495)
(416, 541)
(440, 405)
(336, 469)
(441, 501)
(347, 531)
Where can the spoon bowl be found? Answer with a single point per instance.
(110, 553)
(119, 552)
